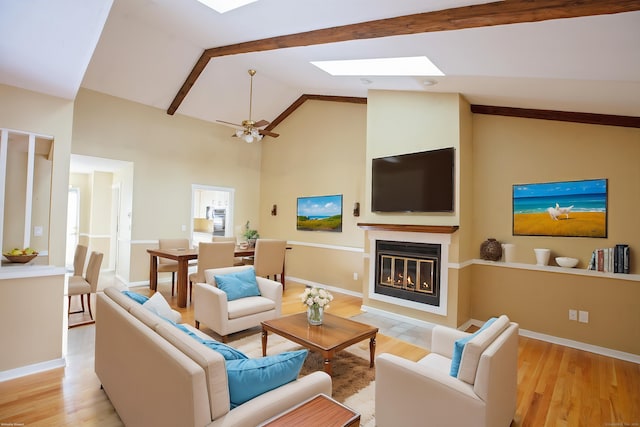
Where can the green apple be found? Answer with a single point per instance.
(28, 251)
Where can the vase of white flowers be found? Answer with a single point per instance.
(317, 300)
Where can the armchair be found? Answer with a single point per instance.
(224, 317)
(483, 394)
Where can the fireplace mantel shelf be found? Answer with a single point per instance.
(444, 229)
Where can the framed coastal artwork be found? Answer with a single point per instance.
(566, 208)
(319, 213)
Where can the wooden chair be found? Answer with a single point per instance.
(79, 259)
(166, 265)
(87, 285)
(211, 255)
(269, 258)
(236, 260)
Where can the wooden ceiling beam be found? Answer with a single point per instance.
(306, 97)
(561, 116)
(480, 15)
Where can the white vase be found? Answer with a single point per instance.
(542, 256)
(508, 252)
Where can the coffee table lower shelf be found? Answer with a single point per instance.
(319, 411)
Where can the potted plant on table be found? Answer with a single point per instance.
(250, 234)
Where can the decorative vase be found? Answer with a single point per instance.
(508, 250)
(491, 250)
(315, 314)
(542, 256)
(251, 243)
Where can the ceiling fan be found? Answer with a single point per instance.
(249, 129)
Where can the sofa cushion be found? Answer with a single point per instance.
(158, 305)
(247, 306)
(249, 378)
(476, 346)
(459, 345)
(238, 285)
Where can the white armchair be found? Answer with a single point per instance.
(224, 317)
(424, 393)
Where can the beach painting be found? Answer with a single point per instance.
(568, 209)
(319, 213)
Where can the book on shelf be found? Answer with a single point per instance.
(610, 260)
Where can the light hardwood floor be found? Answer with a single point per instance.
(557, 386)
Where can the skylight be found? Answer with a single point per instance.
(223, 6)
(407, 66)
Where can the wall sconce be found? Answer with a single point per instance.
(356, 209)
(274, 210)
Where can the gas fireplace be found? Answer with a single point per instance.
(408, 271)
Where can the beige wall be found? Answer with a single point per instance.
(511, 151)
(39, 335)
(320, 152)
(170, 153)
(540, 301)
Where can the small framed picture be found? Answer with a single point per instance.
(319, 213)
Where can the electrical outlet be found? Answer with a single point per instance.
(355, 276)
(573, 314)
(184, 227)
(583, 316)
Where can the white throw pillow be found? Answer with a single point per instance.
(158, 305)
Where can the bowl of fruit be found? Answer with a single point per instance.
(21, 256)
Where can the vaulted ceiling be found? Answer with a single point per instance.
(547, 54)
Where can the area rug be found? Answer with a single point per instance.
(352, 379)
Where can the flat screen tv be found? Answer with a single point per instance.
(416, 182)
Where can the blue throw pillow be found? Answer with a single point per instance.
(458, 348)
(140, 299)
(249, 378)
(229, 353)
(239, 285)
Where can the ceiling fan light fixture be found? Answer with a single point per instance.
(250, 129)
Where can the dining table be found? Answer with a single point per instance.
(183, 256)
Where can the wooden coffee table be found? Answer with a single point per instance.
(335, 334)
(320, 410)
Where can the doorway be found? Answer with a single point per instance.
(211, 212)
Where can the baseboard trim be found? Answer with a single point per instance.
(32, 369)
(616, 354)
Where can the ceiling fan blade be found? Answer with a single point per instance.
(268, 133)
(261, 123)
(229, 123)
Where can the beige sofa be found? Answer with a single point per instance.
(414, 394)
(155, 374)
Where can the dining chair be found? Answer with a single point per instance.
(268, 259)
(79, 259)
(211, 255)
(166, 265)
(87, 285)
(236, 260)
